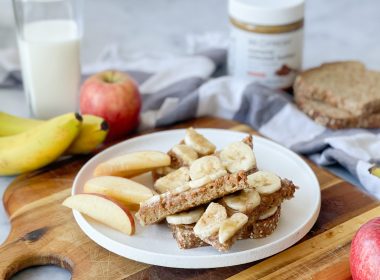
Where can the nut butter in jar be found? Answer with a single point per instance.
(266, 40)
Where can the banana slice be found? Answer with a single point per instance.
(244, 201)
(198, 142)
(205, 166)
(173, 180)
(269, 213)
(238, 156)
(185, 153)
(185, 218)
(231, 226)
(264, 182)
(162, 171)
(209, 223)
(205, 170)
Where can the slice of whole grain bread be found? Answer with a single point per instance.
(336, 118)
(345, 85)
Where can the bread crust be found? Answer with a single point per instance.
(151, 212)
(336, 118)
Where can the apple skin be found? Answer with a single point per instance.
(365, 252)
(114, 96)
(122, 206)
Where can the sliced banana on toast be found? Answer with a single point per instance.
(229, 227)
(209, 223)
(198, 142)
(269, 213)
(244, 201)
(184, 153)
(185, 218)
(173, 180)
(237, 156)
(204, 170)
(264, 182)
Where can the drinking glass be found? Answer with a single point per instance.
(49, 33)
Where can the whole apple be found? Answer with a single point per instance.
(365, 252)
(114, 96)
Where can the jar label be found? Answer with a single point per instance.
(269, 59)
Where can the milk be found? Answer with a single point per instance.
(49, 53)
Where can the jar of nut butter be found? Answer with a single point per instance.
(266, 40)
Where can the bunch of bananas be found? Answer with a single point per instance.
(28, 144)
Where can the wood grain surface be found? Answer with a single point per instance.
(44, 232)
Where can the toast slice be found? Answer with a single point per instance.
(348, 86)
(160, 206)
(336, 118)
(258, 226)
(183, 198)
(184, 158)
(186, 238)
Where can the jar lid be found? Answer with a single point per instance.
(267, 12)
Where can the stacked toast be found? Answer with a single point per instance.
(340, 95)
(210, 197)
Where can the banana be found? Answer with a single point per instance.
(93, 132)
(205, 170)
(11, 125)
(269, 213)
(264, 182)
(173, 180)
(375, 170)
(244, 201)
(231, 226)
(185, 218)
(238, 156)
(198, 142)
(38, 147)
(209, 223)
(185, 153)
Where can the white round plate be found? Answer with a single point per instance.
(155, 245)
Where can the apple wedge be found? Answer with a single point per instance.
(132, 164)
(123, 190)
(104, 210)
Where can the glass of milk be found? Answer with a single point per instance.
(49, 33)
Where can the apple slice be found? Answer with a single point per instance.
(104, 210)
(132, 164)
(123, 190)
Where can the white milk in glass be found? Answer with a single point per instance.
(49, 52)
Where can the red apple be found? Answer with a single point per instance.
(114, 96)
(365, 252)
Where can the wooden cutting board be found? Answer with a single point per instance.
(44, 232)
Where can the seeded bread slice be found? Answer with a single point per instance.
(345, 85)
(160, 206)
(186, 238)
(336, 118)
